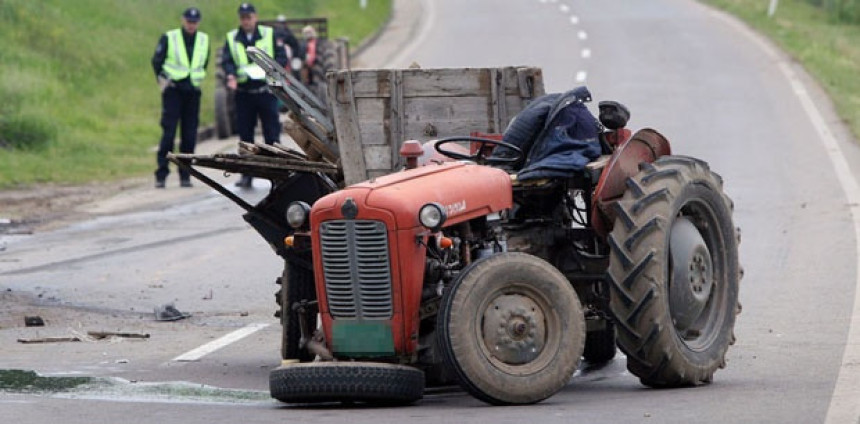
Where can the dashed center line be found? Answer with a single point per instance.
(582, 35)
(586, 53)
(564, 8)
(574, 19)
(581, 76)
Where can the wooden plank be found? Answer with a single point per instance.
(445, 82)
(395, 138)
(348, 129)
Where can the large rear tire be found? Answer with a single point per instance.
(674, 273)
(347, 382)
(512, 328)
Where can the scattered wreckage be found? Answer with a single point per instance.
(495, 256)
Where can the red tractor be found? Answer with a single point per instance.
(459, 271)
(498, 267)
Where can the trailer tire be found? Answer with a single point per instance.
(674, 273)
(223, 120)
(512, 328)
(297, 283)
(600, 345)
(368, 382)
(327, 60)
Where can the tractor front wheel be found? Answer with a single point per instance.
(512, 328)
(674, 273)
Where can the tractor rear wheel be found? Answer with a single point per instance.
(369, 382)
(297, 284)
(674, 273)
(512, 328)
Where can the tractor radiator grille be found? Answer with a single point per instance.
(356, 269)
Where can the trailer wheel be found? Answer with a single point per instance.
(600, 345)
(369, 382)
(223, 122)
(297, 283)
(327, 60)
(512, 328)
(674, 273)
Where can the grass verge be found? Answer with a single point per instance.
(79, 98)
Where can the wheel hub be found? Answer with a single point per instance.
(514, 329)
(692, 274)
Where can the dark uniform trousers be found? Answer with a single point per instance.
(183, 106)
(251, 104)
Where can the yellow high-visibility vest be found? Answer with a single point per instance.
(176, 65)
(244, 68)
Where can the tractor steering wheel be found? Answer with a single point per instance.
(479, 157)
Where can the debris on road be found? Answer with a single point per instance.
(49, 340)
(34, 321)
(105, 334)
(169, 313)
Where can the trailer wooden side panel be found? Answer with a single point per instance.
(375, 110)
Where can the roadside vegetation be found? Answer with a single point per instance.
(78, 98)
(823, 35)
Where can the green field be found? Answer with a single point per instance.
(78, 98)
(827, 43)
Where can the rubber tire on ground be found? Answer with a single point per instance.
(600, 345)
(326, 61)
(368, 382)
(223, 122)
(297, 283)
(639, 270)
(460, 328)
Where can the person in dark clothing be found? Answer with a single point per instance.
(253, 98)
(180, 62)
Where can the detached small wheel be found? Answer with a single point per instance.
(512, 328)
(674, 273)
(368, 382)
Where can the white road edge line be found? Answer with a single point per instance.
(196, 354)
(844, 405)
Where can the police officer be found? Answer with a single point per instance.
(253, 98)
(180, 62)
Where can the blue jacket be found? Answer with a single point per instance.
(557, 134)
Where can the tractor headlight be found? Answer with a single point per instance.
(432, 216)
(297, 214)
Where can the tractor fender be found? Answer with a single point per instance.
(645, 146)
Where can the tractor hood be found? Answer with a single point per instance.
(464, 190)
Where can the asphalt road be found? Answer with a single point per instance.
(703, 81)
